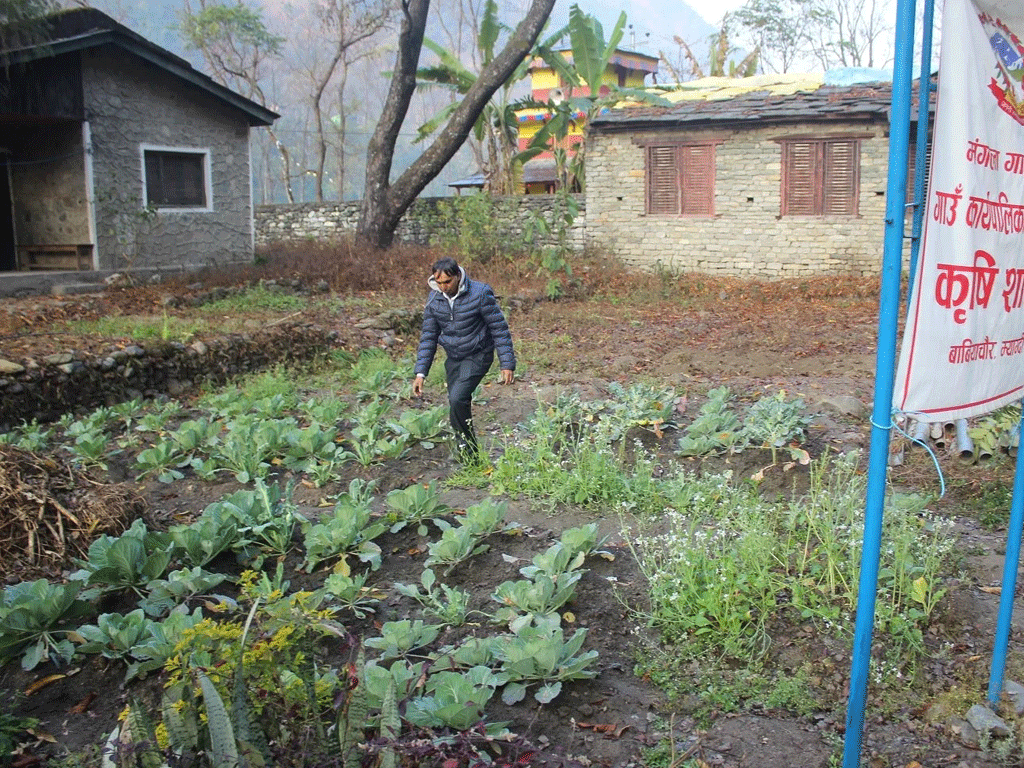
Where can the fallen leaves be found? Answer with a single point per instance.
(610, 730)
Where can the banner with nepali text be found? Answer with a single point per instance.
(963, 347)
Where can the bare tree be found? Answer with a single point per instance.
(344, 26)
(236, 45)
(848, 33)
(778, 28)
(385, 202)
(827, 33)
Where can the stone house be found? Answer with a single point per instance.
(770, 177)
(116, 154)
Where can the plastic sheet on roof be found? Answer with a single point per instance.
(709, 88)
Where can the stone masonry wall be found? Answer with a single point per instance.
(747, 236)
(129, 104)
(426, 219)
(70, 382)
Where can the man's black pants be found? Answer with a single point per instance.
(463, 378)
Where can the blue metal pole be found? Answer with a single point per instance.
(924, 95)
(881, 419)
(1002, 639)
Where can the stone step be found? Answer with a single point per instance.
(67, 289)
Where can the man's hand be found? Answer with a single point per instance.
(507, 376)
(417, 385)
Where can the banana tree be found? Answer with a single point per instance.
(583, 74)
(496, 131)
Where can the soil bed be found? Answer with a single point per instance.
(753, 338)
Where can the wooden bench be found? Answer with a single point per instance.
(62, 257)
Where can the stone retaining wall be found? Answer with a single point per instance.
(423, 222)
(70, 382)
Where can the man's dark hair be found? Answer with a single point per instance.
(445, 266)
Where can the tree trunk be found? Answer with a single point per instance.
(383, 203)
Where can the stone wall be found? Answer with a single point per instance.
(746, 236)
(72, 382)
(130, 105)
(427, 219)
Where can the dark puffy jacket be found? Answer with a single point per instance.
(474, 323)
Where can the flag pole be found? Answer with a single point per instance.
(924, 99)
(1010, 564)
(881, 419)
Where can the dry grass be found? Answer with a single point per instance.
(401, 271)
(52, 512)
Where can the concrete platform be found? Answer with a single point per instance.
(21, 284)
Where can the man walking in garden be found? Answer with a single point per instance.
(463, 316)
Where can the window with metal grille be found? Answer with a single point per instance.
(681, 180)
(176, 179)
(820, 177)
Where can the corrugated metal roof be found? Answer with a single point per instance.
(534, 171)
(766, 98)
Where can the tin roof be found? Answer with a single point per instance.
(766, 98)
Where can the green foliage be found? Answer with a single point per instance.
(127, 563)
(716, 429)
(257, 297)
(163, 595)
(215, 531)
(269, 517)
(401, 638)
(113, 635)
(420, 426)
(347, 530)
(567, 457)
(539, 653)
(457, 543)
(158, 645)
(168, 328)
(447, 604)
(13, 726)
(370, 440)
(36, 618)
(164, 460)
(722, 557)
(454, 699)
(470, 228)
(29, 436)
(414, 505)
(248, 444)
(539, 596)
(351, 593)
(91, 443)
(775, 422)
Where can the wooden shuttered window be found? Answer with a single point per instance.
(681, 180)
(820, 177)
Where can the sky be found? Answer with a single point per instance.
(713, 10)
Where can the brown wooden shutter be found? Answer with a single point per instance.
(663, 193)
(697, 164)
(800, 178)
(821, 177)
(841, 178)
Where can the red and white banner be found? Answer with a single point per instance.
(963, 348)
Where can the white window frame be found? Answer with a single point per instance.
(207, 177)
